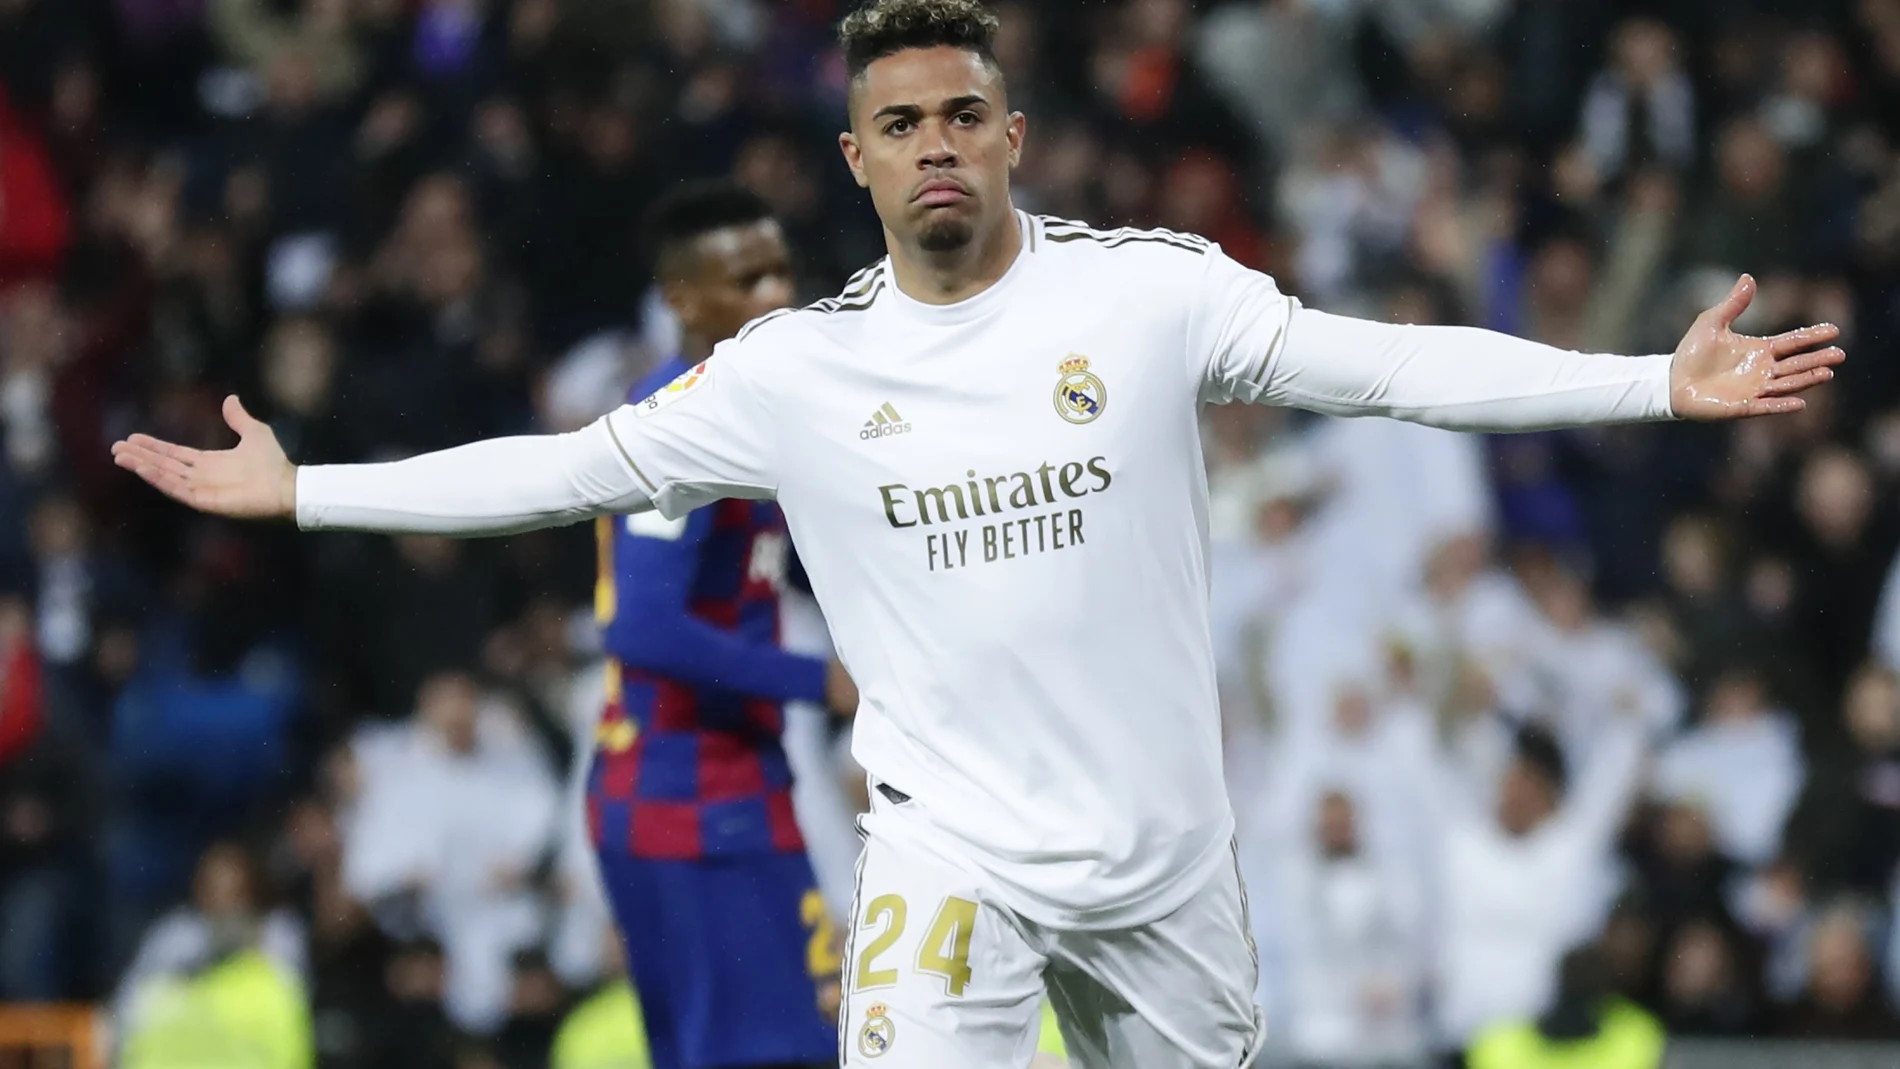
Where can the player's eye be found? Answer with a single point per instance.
(898, 126)
(965, 118)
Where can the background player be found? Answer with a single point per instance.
(689, 798)
(1042, 724)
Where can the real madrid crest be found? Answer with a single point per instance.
(1080, 395)
(878, 1033)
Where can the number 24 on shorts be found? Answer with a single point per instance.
(945, 950)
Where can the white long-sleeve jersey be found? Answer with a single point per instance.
(1003, 509)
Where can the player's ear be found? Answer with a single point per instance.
(853, 158)
(1015, 130)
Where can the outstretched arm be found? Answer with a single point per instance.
(1260, 346)
(495, 487)
(1468, 379)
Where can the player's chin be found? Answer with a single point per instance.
(945, 229)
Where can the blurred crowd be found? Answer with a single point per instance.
(1488, 700)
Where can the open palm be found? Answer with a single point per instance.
(1719, 374)
(251, 480)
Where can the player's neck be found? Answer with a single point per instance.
(958, 274)
(694, 347)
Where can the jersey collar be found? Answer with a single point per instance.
(970, 308)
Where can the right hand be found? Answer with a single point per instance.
(252, 480)
(841, 694)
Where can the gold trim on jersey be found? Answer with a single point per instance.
(1063, 230)
(628, 457)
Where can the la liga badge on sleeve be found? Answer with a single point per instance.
(673, 391)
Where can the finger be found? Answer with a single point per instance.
(183, 453)
(134, 457)
(170, 483)
(1805, 338)
(239, 420)
(1775, 406)
(1795, 365)
(1796, 383)
(1737, 301)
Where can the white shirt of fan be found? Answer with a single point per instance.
(1002, 507)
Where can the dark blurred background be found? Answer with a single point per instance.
(397, 225)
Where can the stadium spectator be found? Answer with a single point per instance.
(1743, 762)
(1352, 969)
(456, 817)
(33, 206)
(1847, 824)
(1585, 1024)
(1842, 998)
(1683, 873)
(1640, 109)
(1705, 989)
(229, 913)
(38, 814)
(402, 1021)
(1519, 884)
(240, 1003)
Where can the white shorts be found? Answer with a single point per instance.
(941, 975)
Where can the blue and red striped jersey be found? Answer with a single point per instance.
(688, 761)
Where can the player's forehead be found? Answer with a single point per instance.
(926, 79)
(742, 249)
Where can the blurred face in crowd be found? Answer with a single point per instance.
(1629, 937)
(1839, 967)
(415, 975)
(1338, 826)
(727, 278)
(1352, 709)
(1565, 601)
(1454, 563)
(58, 529)
(1526, 798)
(1873, 710)
(222, 886)
(1645, 51)
(933, 140)
(1684, 836)
(1699, 966)
(1737, 697)
(1016, 37)
(1198, 193)
(299, 364)
(1692, 556)
(1813, 67)
(437, 208)
(16, 625)
(1750, 161)
(448, 705)
(1563, 275)
(1836, 497)
(773, 166)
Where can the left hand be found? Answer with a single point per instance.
(1719, 374)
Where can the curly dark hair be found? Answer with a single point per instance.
(694, 210)
(884, 27)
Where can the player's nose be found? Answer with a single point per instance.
(935, 151)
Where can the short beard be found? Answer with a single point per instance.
(948, 235)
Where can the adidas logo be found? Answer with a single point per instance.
(884, 423)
